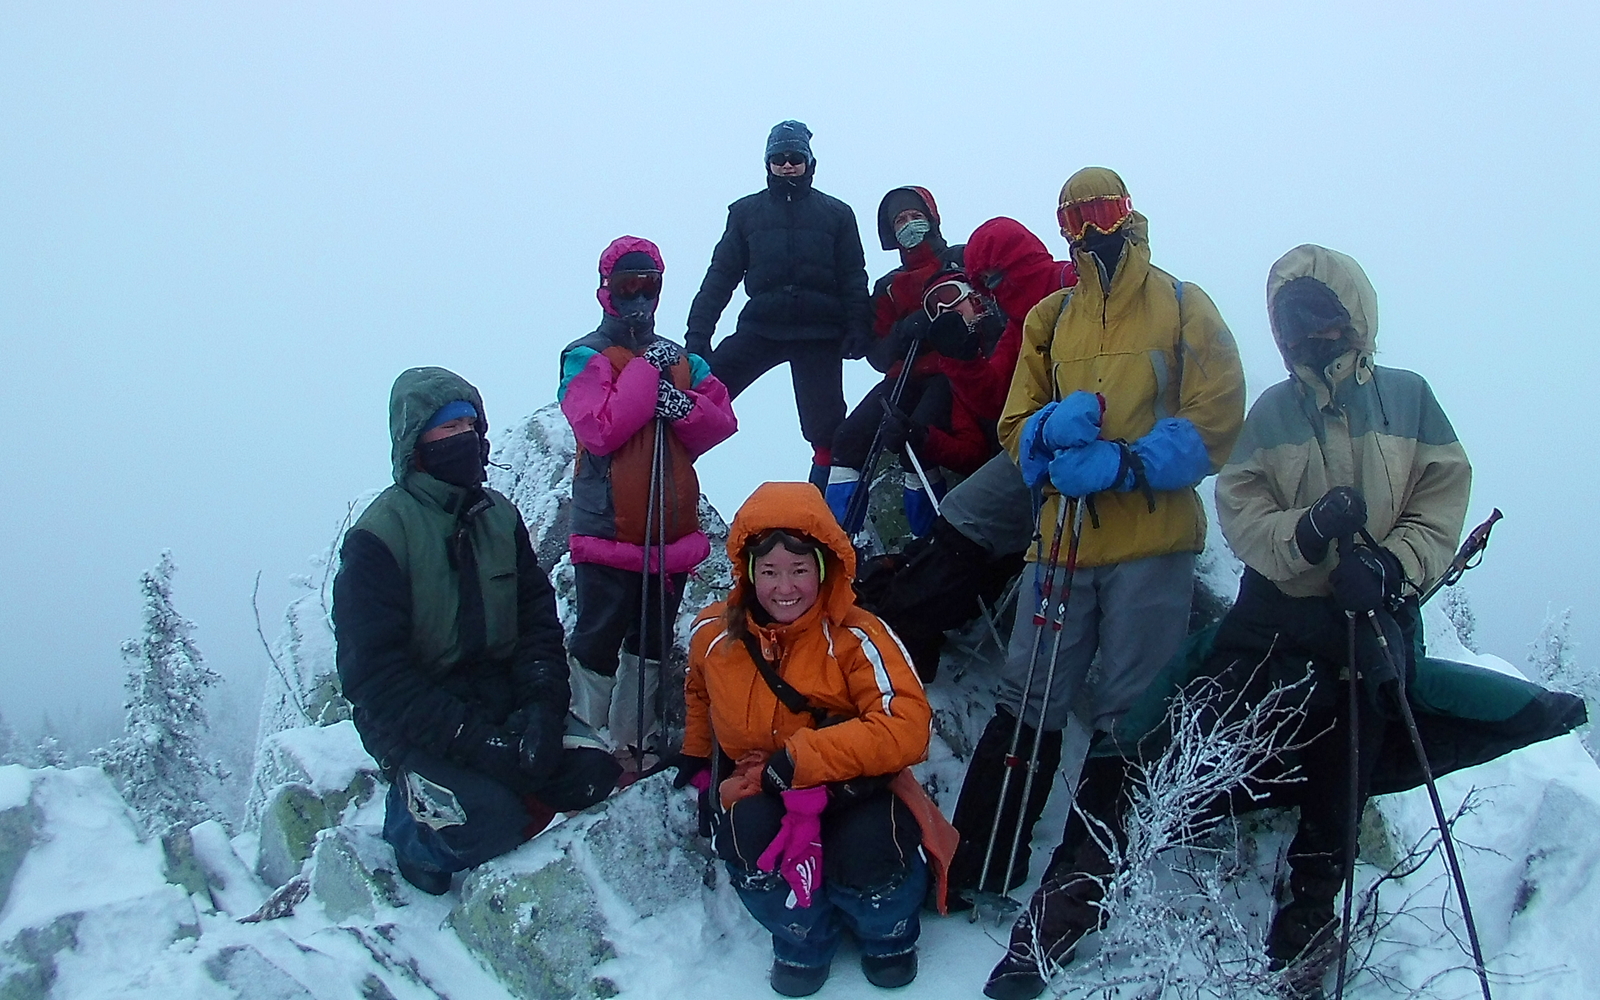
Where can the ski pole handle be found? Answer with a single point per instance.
(1477, 541)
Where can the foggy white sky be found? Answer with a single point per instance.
(224, 229)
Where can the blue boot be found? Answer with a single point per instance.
(920, 512)
(840, 495)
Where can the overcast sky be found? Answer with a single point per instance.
(225, 228)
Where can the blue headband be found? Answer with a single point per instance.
(451, 411)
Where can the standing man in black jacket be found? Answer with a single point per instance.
(799, 254)
(450, 651)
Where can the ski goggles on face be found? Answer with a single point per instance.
(793, 158)
(945, 296)
(635, 284)
(1105, 214)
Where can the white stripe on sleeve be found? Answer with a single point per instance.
(880, 672)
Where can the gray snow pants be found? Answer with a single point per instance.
(1133, 614)
(993, 507)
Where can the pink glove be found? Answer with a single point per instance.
(798, 844)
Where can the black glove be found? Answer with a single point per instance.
(672, 403)
(1366, 578)
(540, 741)
(662, 354)
(778, 776)
(698, 343)
(1341, 511)
(950, 336)
(687, 765)
(897, 428)
(491, 750)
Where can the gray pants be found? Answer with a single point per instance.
(992, 507)
(1133, 614)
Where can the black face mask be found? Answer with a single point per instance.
(1106, 246)
(1318, 353)
(457, 459)
(639, 314)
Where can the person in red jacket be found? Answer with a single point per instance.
(986, 522)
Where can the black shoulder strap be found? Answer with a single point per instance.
(792, 699)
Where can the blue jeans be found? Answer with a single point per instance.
(884, 920)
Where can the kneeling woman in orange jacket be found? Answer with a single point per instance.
(818, 715)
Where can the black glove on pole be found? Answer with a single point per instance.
(1339, 513)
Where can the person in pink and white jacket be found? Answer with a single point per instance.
(620, 385)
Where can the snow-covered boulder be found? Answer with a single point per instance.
(315, 774)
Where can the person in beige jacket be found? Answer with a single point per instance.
(1338, 447)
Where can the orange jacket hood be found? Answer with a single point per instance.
(795, 507)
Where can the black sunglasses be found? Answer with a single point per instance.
(790, 159)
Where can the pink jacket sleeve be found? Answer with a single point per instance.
(606, 407)
(711, 421)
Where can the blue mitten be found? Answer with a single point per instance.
(1174, 457)
(1033, 457)
(1073, 422)
(1087, 469)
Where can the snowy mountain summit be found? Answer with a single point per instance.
(626, 900)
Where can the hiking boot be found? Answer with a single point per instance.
(1303, 944)
(890, 972)
(429, 880)
(797, 980)
(1015, 978)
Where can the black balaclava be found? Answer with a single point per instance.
(789, 137)
(638, 314)
(458, 459)
(1107, 247)
(1305, 306)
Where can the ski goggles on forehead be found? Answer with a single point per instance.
(1105, 214)
(944, 296)
(796, 544)
(635, 284)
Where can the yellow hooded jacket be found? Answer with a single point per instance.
(1151, 358)
(1379, 430)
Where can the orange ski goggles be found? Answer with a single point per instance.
(1105, 214)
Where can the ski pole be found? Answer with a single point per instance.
(927, 487)
(1353, 790)
(651, 501)
(1040, 618)
(1477, 541)
(856, 513)
(1445, 837)
(1057, 624)
(665, 639)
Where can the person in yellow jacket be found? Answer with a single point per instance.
(1127, 394)
(812, 709)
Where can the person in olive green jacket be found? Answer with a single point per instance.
(1128, 392)
(450, 651)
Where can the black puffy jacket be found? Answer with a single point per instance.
(799, 253)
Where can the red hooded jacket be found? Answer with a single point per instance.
(1028, 273)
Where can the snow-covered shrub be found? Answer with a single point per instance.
(1554, 662)
(1458, 609)
(157, 761)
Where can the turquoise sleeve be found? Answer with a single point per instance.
(573, 362)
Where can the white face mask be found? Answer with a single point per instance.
(913, 233)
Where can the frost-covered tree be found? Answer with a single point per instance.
(49, 752)
(12, 749)
(1554, 662)
(1459, 610)
(157, 761)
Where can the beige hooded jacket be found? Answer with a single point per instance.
(1379, 430)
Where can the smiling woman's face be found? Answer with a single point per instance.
(786, 584)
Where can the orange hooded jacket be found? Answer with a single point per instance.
(841, 658)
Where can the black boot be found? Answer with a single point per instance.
(429, 880)
(1043, 939)
(1100, 794)
(1303, 941)
(890, 972)
(980, 800)
(797, 980)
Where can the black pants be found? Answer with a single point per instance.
(1269, 638)
(608, 615)
(926, 401)
(442, 816)
(815, 366)
(865, 843)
